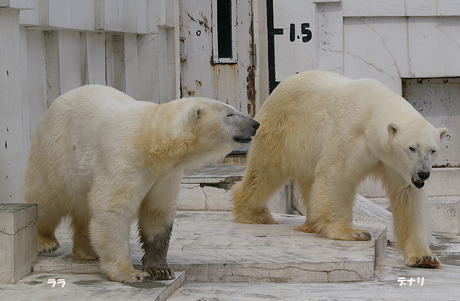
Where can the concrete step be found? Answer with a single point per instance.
(210, 247)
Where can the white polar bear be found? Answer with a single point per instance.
(104, 159)
(328, 132)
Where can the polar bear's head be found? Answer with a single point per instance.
(415, 145)
(213, 129)
(216, 120)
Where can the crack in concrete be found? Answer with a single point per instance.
(361, 278)
(206, 205)
(386, 47)
(20, 229)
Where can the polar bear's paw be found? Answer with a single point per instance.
(129, 276)
(258, 215)
(423, 261)
(160, 272)
(361, 235)
(306, 227)
(47, 244)
(84, 253)
(343, 234)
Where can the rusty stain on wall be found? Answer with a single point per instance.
(203, 22)
(250, 90)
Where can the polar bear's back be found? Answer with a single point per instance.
(64, 142)
(316, 110)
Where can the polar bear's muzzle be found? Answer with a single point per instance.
(249, 131)
(417, 183)
(419, 179)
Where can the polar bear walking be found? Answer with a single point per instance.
(328, 132)
(104, 159)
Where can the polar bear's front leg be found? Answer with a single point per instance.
(154, 260)
(411, 218)
(331, 208)
(156, 217)
(110, 230)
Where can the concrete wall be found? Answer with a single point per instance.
(414, 42)
(386, 40)
(48, 47)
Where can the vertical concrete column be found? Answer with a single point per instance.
(329, 20)
(12, 154)
(18, 241)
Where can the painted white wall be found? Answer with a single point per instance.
(48, 47)
(386, 40)
(51, 46)
(12, 109)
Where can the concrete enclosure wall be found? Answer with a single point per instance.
(158, 50)
(48, 47)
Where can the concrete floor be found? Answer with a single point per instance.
(250, 262)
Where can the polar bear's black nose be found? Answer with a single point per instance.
(256, 125)
(423, 175)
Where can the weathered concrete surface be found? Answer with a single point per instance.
(439, 284)
(85, 282)
(209, 246)
(18, 240)
(87, 287)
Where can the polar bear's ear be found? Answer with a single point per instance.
(194, 113)
(442, 133)
(392, 129)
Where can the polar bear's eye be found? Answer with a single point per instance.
(412, 149)
(433, 151)
(230, 114)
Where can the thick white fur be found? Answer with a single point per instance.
(328, 133)
(99, 156)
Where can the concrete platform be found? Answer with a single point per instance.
(439, 284)
(210, 247)
(195, 240)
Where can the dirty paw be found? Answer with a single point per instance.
(131, 276)
(47, 244)
(160, 273)
(425, 261)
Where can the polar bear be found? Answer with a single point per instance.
(104, 159)
(328, 132)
